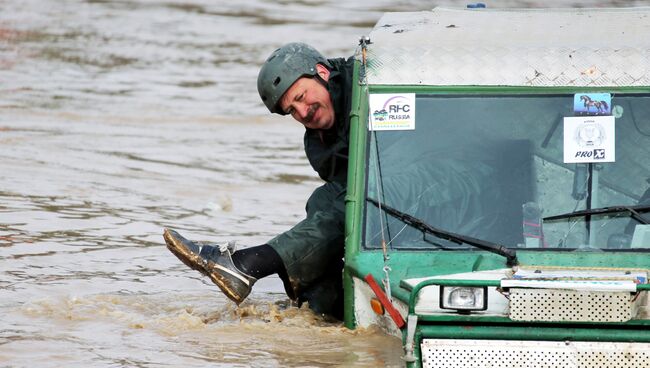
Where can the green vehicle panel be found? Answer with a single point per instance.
(498, 186)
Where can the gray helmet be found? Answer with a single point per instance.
(285, 66)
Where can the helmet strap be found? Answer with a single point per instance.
(321, 80)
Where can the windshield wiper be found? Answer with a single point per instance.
(633, 210)
(509, 254)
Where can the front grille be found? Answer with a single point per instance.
(570, 305)
(449, 353)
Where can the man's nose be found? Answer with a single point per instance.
(302, 110)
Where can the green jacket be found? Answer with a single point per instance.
(327, 150)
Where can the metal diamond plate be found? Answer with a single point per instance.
(449, 353)
(567, 47)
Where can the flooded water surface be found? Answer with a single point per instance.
(120, 118)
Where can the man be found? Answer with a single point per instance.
(295, 80)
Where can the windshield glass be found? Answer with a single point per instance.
(492, 167)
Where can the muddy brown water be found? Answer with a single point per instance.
(120, 118)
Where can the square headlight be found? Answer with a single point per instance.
(463, 298)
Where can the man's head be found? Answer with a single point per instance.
(292, 81)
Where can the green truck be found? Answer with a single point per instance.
(498, 194)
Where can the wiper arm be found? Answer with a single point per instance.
(510, 254)
(633, 210)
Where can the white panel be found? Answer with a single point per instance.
(570, 305)
(366, 317)
(443, 353)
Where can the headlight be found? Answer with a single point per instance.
(463, 298)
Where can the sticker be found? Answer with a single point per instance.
(589, 139)
(392, 111)
(592, 104)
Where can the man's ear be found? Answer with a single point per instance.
(323, 72)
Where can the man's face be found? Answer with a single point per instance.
(308, 101)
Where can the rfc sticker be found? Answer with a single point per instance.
(592, 104)
(589, 139)
(392, 111)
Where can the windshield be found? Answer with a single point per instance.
(493, 167)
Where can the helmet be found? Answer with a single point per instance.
(285, 66)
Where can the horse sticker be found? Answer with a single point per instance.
(592, 104)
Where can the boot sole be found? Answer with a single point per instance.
(195, 262)
(222, 283)
(189, 258)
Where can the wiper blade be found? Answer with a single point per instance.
(509, 254)
(632, 210)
